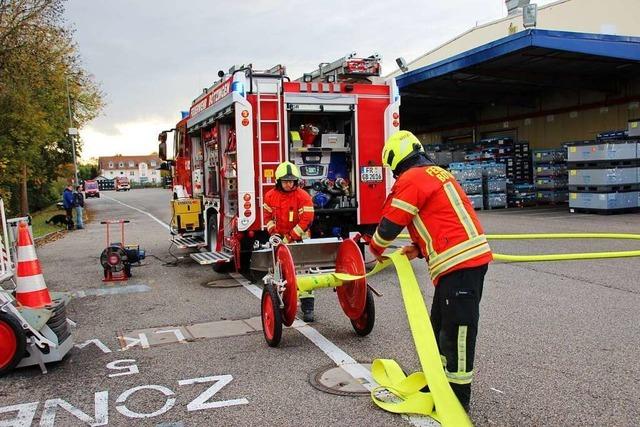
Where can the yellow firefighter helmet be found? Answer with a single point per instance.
(399, 147)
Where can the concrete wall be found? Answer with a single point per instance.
(618, 17)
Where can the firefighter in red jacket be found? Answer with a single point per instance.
(288, 212)
(445, 230)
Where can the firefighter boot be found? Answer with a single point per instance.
(463, 392)
(307, 309)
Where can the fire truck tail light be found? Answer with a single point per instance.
(396, 116)
(246, 197)
(396, 123)
(247, 213)
(245, 122)
(245, 113)
(247, 205)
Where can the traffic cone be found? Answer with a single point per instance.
(31, 291)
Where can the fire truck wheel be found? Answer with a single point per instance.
(364, 324)
(12, 342)
(271, 316)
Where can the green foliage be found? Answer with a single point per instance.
(40, 74)
(38, 224)
(88, 171)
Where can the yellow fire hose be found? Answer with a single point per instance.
(560, 257)
(388, 373)
(440, 403)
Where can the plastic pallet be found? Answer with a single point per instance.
(604, 211)
(604, 188)
(603, 164)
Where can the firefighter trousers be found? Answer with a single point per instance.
(454, 315)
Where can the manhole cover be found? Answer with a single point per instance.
(221, 283)
(335, 380)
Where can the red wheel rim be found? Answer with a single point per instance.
(290, 295)
(8, 344)
(352, 295)
(268, 317)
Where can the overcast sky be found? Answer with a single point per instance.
(152, 57)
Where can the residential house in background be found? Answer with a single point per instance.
(139, 169)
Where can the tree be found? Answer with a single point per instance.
(38, 62)
(88, 171)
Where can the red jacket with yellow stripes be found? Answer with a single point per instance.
(440, 218)
(288, 213)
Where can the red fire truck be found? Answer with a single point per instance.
(331, 122)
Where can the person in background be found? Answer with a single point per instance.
(445, 230)
(288, 212)
(67, 204)
(78, 203)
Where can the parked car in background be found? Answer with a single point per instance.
(91, 189)
(122, 183)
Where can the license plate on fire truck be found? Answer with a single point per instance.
(371, 174)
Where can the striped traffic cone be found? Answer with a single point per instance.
(31, 291)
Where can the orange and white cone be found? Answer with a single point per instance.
(31, 291)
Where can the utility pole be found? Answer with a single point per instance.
(73, 133)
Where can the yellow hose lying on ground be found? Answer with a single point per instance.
(390, 376)
(440, 402)
(560, 257)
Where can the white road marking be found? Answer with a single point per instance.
(335, 353)
(122, 408)
(129, 368)
(165, 225)
(98, 344)
(202, 402)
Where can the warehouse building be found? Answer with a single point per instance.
(570, 82)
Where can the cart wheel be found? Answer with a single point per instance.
(127, 270)
(12, 342)
(271, 316)
(364, 324)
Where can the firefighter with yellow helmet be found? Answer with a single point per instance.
(288, 212)
(445, 230)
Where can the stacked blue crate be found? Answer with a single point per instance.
(604, 174)
(495, 179)
(469, 176)
(550, 170)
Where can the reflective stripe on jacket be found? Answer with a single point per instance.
(440, 219)
(288, 213)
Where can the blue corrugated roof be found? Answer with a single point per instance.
(619, 47)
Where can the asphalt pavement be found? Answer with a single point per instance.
(557, 342)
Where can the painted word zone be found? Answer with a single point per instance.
(23, 414)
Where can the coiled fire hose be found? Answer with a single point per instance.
(407, 389)
(390, 376)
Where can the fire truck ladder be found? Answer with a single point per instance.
(269, 119)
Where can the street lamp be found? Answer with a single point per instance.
(73, 133)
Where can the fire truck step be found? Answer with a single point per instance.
(205, 258)
(188, 242)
